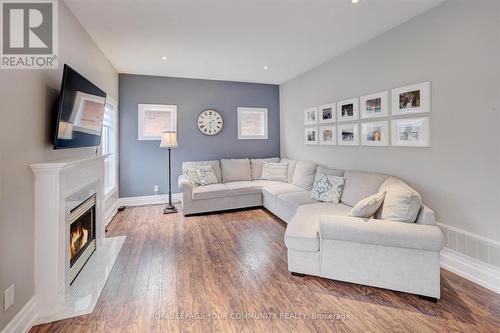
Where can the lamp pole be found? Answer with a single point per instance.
(169, 209)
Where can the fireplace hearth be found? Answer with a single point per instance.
(82, 235)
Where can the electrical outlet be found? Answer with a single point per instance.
(156, 189)
(8, 296)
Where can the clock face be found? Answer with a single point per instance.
(210, 122)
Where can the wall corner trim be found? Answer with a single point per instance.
(483, 274)
(24, 320)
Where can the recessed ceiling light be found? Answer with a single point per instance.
(266, 68)
(354, 1)
(164, 58)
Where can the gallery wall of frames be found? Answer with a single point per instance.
(365, 120)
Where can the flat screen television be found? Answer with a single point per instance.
(79, 112)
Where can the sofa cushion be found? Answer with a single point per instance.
(215, 165)
(243, 187)
(401, 203)
(292, 200)
(235, 170)
(330, 171)
(281, 188)
(359, 185)
(266, 183)
(302, 232)
(367, 207)
(291, 168)
(304, 174)
(257, 163)
(211, 191)
(275, 171)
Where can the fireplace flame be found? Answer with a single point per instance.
(78, 239)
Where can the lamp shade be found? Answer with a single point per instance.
(168, 139)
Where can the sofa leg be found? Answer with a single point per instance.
(298, 274)
(427, 298)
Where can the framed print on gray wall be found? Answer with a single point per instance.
(328, 135)
(348, 135)
(411, 132)
(348, 109)
(375, 133)
(415, 98)
(327, 113)
(252, 124)
(311, 135)
(154, 119)
(374, 105)
(311, 116)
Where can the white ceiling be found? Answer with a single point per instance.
(234, 39)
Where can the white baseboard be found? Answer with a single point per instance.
(148, 200)
(23, 321)
(483, 274)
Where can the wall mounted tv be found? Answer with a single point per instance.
(79, 112)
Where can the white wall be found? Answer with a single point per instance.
(26, 98)
(456, 46)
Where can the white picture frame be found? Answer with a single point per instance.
(348, 110)
(412, 99)
(154, 119)
(375, 133)
(253, 123)
(374, 105)
(327, 135)
(327, 113)
(311, 116)
(346, 131)
(311, 135)
(410, 132)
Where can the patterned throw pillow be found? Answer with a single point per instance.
(192, 175)
(206, 175)
(327, 188)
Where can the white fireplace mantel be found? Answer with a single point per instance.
(57, 183)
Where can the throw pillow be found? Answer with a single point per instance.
(367, 207)
(192, 175)
(206, 175)
(327, 188)
(401, 203)
(275, 171)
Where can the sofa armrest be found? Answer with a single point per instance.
(381, 232)
(426, 216)
(184, 184)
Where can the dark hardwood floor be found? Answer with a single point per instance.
(174, 272)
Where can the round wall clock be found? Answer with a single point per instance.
(210, 122)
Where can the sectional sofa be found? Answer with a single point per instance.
(321, 238)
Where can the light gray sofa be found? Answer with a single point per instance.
(321, 238)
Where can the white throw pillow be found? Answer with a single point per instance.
(206, 175)
(327, 188)
(401, 203)
(367, 207)
(192, 175)
(275, 171)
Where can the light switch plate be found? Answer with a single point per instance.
(8, 297)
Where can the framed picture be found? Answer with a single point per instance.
(411, 99)
(327, 113)
(411, 132)
(154, 119)
(375, 133)
(328, 135)
(348, 135)
(348, 109)
(374, 105)
(311, 116)
(252, 124)
(311, 135)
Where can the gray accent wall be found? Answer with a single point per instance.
(143, 164)
(456, 46)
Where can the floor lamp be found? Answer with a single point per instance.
(169, 141)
